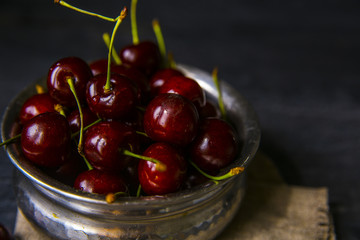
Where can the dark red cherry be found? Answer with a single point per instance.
(171, 118)
(35, 105)
(216, 145)
(209, 110)
(68, 171)
(114, 103)
(104, 142)
(155, 182)
(100, 66)
(186, 87)
(144, 56)
(161, 76)
(74, 119)
(57, 84)
(96, 181)
(46, 139)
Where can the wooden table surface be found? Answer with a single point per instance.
(297, 62)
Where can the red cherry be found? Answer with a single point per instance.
(216, 145)
(209, 110)
(35, 105)
(100, 66)
(103, 143)
(160, 77)
(46, 139)
(171, 118)
(60, 71)
(155, 182)
(74, 119)
(112, 104)
(144, 56)
(186, 87)
(96, 181)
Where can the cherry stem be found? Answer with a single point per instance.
(72, 88)
(65, 4)
(142, 133)
(232, 172)
(138, 192)
(39, 89)
(134, 29)
(220, 98)
(172, 63)
(86, 127)
(159, 165)
(111, 197)
(160, 38)
(115, 56)
(10, 140)
(60, 109)
(111, 45)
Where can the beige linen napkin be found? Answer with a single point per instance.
(271, 210)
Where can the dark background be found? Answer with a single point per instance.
(296, 61)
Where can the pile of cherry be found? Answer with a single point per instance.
(141, 129)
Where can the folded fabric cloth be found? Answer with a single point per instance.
(271, 210)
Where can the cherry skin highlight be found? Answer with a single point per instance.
(171, 118)
(71, 67)
(103, 143)
(216, 145)
(96, 181)
(46, 139)
(155, 182)
(35, 105)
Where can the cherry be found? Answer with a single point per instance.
(216, 145)
(160, 77)
(104, 142)
(35, 105)
(186, 87)
(100, 66)
(46, 139)
(96, 181)
(155, 182)
(74, 119)
(69, 67)
(144, 56)
(68, 171)
(114, 103)
(209, 110)
(171, 118)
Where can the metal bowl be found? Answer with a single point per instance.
(199, 213)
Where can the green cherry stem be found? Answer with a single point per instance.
(123, 14)
(115, 56)
(159, 37)
(86, 127)
(65, 4)
(72, 88)
(172, 63)
(134, 29)
(234, 171)
(111, 197)
(220, 98)
(159, 165)
(10, 140)
(138, 192)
